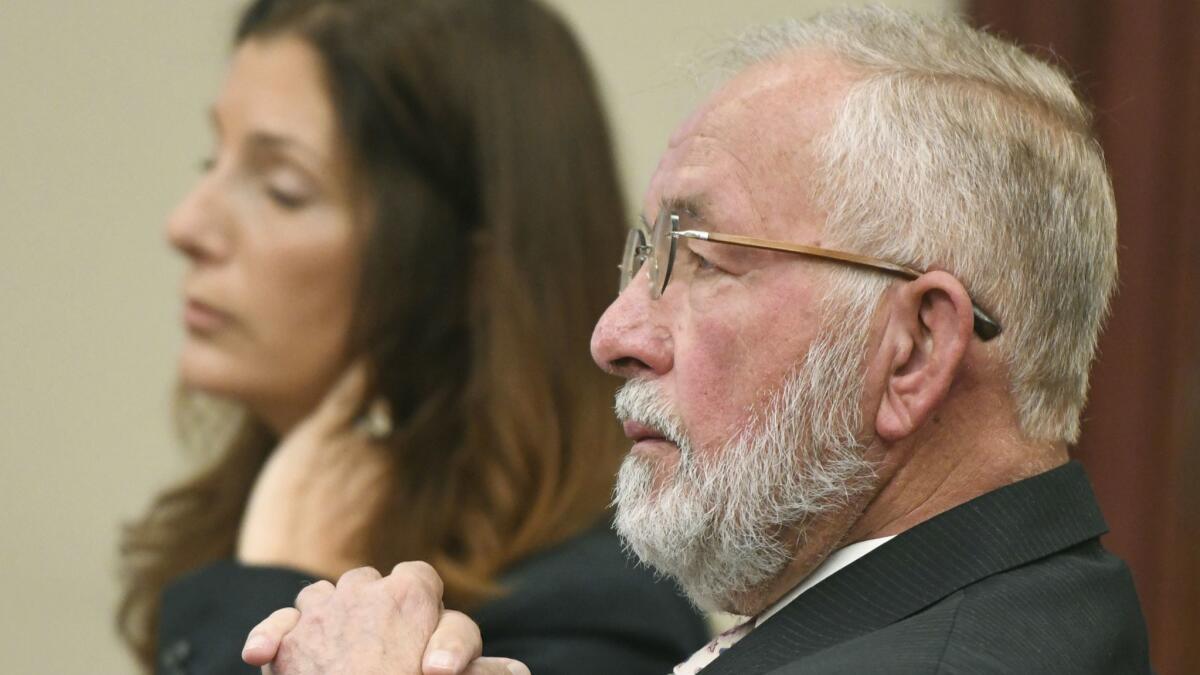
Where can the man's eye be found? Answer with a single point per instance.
(704, 264)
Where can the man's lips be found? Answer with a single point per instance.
(637, 432)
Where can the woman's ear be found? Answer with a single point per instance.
(925, 339)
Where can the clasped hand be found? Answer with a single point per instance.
(309, 510)
(368, 624)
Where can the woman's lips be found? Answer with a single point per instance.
(199, 317)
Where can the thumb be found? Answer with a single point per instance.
(263, 642)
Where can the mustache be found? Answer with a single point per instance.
(643, 402)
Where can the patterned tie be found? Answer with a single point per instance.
(709, 652)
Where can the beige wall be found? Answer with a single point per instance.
(101, 126)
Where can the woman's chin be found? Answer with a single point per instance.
(279, 399)
(202, 370)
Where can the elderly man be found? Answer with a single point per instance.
(856, 326)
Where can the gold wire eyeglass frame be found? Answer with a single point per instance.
(640, 249)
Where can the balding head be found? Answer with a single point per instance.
(958, 151)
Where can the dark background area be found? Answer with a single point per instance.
(1138, 63)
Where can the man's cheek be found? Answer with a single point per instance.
(708, 408)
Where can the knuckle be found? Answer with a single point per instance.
(415, 567)
(420, 573)
(416, 582)
(314, 591)
(359, 574)
(462, 623)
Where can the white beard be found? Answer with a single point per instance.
(717, 524)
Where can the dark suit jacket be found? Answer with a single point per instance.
(579, 608)
(1015, 581)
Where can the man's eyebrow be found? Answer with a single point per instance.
(691, 208)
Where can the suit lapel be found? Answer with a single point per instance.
(1000, 530)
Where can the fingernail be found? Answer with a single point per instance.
(442, 659)
(254, 642)
(518, 669)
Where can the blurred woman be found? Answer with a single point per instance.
(392, 271)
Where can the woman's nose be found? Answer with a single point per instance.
(199, 226)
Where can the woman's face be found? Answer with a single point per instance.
(269, 239)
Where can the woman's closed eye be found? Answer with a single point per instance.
(288, 199)
(284, 186)
(287, 188)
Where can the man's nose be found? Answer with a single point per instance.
(632, 339)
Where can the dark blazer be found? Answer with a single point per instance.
(1015, 581)
(579, 608)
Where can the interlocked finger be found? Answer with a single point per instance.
(358, 576)
(454, 643)
(313, 594)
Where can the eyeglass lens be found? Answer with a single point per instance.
(633, 257)
(659, 252)
(662, 250)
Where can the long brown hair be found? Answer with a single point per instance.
(492, 206)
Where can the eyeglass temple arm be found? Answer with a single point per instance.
(814, 251)
(984, 326)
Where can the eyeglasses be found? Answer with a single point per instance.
(658, 249)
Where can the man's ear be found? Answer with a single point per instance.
(924, 343)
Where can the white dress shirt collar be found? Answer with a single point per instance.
(836, 561)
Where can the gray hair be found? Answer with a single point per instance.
(956, 150)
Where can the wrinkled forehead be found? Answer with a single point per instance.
(745, 159)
